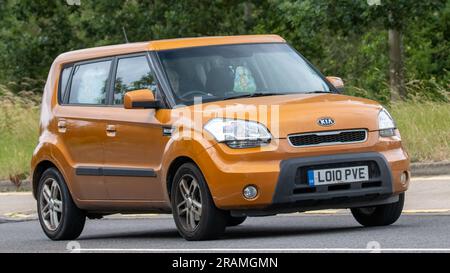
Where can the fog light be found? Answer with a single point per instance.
(250, 192)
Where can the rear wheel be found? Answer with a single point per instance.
(194, 212)
(382, 215)
(60, 218)
(235, 221)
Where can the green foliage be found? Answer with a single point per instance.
(33, 34)
(350, 39)
(346, 38)
(18, 134)
(425, 129)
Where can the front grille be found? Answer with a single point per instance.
(328, 138)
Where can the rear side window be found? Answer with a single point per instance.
(64, 80)
(133, 73)
(90, 83)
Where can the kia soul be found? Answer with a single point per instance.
(212, 130)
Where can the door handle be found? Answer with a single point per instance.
(62, 126)
(111, 130)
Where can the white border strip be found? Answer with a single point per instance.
(260, 250)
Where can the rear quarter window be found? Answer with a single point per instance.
(65, 74)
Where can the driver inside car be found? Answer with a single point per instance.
(174, 80)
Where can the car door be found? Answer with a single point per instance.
(135, 144)
(81, 127)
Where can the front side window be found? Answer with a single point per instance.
(133, 73)
(90, 83)
(228, 71)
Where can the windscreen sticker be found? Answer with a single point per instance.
(243, 80)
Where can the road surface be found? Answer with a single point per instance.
(424, 227)
(294, 232)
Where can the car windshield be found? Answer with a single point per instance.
(235, 71)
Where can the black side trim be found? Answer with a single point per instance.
(94, 171)
(128, 172)
(111, 171)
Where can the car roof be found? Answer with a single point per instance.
(157, 45)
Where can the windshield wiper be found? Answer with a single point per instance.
(253, 95)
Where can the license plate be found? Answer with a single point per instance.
(338, 175)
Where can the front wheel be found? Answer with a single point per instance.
(194, 212)
(382, 215)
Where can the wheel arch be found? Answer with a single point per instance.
(173, 167)
(40, 168)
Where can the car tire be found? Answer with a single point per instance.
(235, 221)
(194, 212)
(382, 215)
(59, 217)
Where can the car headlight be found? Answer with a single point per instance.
(386, 124)
(238, 133)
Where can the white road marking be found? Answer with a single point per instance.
(18, 215)
(325, 211)
(426, 211)
(427, 178)
(13, 193)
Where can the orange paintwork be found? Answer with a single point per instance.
(143, 95)
(104, 51)
(137, 140)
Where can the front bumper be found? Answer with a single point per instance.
(293, 193)
(272, 170)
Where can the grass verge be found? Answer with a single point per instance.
(18, 138)
(425, 129)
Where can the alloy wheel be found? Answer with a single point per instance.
(189, 202)
(51, 204)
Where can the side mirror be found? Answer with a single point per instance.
(140, 99)
(337, 82)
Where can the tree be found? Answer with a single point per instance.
(33, 34)
(396, 15)
(369, 42)
(314, 24)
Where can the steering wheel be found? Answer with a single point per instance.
(192, 94)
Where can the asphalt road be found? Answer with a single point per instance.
(293, 233)
(425, 226)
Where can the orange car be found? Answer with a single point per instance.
(210, 129)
